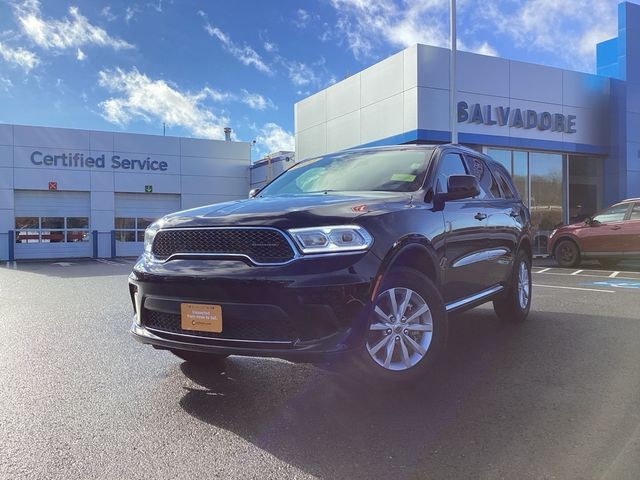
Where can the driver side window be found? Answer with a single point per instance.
(450, 164)
(612, 214)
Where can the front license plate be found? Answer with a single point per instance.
(201, 318)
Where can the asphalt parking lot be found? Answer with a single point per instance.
(556, 397)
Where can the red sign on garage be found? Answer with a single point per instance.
(53, 185)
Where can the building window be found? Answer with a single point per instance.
(52, 229)
(557, 188)
(130, 229)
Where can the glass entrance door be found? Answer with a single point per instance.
(546, 202)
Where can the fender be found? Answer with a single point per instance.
(552, 244)
(411, 242)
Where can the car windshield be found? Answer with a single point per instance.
(364, 170)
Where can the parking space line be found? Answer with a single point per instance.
(575, 288)
(543, 270)
(614, 274)
(577, 272)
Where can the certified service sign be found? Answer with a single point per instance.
(113, 162)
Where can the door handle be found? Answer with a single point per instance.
(480, 216)
(615, 227)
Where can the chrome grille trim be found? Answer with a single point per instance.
(213, 255)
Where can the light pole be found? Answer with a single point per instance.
(452, 74)
(252, 144)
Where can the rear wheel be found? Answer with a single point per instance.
(517, 301)
(407, 329)
(199, 357)
(567, 253)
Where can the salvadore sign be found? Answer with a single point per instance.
(103, 161)
(515, 117)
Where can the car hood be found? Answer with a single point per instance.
(287, 211)
(571, 228)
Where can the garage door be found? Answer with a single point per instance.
(134, 212)
(52, 224)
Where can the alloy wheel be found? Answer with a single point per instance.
(524, 285)
(401, 331)
(567, 253)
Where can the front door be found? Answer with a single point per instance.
(604, 235)
(465, 223)
(631, 232)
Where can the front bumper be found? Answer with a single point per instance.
(311, 310)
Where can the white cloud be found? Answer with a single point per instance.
(364, 24)
(69, 32)
(5, 84)
(483, 49)
(274, 138)
(107, 14)
(80, 55)
(130, 12)
(302, 18)
(300, 73)
(217, 95)
(270, 47)
(243, 53)
(21, 57)
(138, 96)
(256, 101)
(156, 6)
(566, 29)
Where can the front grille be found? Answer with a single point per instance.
(236, 329)
(261, 245)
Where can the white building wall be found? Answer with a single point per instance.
(200, 171)
(409, 91)
(357, 110)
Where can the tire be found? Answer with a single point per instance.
(199, 357)
(401, 350)
(516, 303)
(567, 253)
(609, 262)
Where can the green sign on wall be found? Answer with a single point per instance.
(148, 188)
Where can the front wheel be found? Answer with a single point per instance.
(567, 254)
(517, 301)
(406, 331)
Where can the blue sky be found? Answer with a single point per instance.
(199, 66)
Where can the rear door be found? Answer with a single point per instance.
(465, 225)
(505, 220)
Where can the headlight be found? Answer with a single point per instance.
(149, 235)
(341, 238)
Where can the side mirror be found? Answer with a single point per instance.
(253, 192)
(460, 187)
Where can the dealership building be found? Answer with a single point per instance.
(571, 140)
(79, 193)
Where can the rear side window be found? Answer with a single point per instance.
(488, 185)
(507, 191)
(450, 164)
(635, 212)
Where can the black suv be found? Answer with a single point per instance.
(354, 258)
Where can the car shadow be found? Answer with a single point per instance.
(488, 388)
(71, 268)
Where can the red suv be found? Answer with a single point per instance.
(610, 236)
